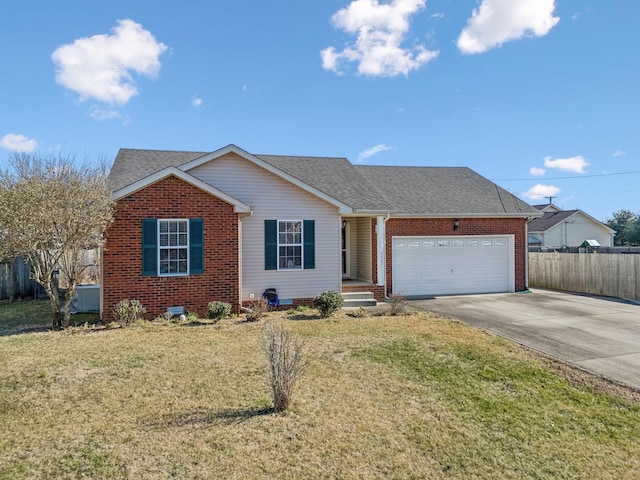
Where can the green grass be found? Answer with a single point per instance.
(382, 397)
(33, 315)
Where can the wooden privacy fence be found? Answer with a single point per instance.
(596, 273)
(15, 280)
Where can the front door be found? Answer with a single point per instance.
(345, 251)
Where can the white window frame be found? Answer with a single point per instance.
(162, 248)
(294, 245)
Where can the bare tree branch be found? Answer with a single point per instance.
(52, 209)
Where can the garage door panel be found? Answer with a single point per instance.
(459, 265)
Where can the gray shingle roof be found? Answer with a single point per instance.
(399, 190)
(132, 165)
(442, 190)
(549, 220)
(336, 177)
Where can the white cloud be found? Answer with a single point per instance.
(18, 143)
(575, 164)
(104, 114)
(619, 153)
(370, 152)
(380, 30)
(538, 192)
(196, 102)
(99, 67)
(498, 21)
(537, 171)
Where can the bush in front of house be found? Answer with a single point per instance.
(284, 351)
(328, 302)
(257, 309)
(397, 304)
(126, 312)
(216, 311)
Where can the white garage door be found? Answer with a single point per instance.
(452, 265)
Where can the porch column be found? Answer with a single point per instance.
(381, 253)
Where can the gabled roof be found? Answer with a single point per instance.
(132, 165)
(240, 207)
(549, 220)
(402, 191)
(552, 218)
(548, 207)
(336, 177)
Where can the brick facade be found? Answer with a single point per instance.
(468, 226)
(122, 257)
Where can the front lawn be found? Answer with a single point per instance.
(414, 396)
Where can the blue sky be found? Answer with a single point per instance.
(540, 96)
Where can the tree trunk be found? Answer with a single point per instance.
(66, 305)
(51, 288)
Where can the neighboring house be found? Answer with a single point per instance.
(557, 229)
(191, 227)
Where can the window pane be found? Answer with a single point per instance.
(173, 240)
(290, 244)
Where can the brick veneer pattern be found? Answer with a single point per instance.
(468, 226)
(122, 256)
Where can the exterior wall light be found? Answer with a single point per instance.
(456, 224)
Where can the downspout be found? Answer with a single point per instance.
(526, 256)
(240, 246)
(381, 231)
(101, 252)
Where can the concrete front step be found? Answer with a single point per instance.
(358, 299)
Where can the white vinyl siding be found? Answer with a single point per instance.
(274, 198)
(573, 231)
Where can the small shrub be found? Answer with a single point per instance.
(397, 304)
(300, 309)
(126, 312)
(328, 302)
(360, 312)
(192, 317)
(285, 360)
(216, 311)
(257, 309)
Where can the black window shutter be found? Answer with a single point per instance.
(149, 246)
(196, 246)
(309, 231)
(270, 244)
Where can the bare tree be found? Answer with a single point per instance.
(52, 209)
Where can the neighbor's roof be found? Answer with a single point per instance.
(549, 219)
(410, 191)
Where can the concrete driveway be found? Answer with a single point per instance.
(595, 333)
